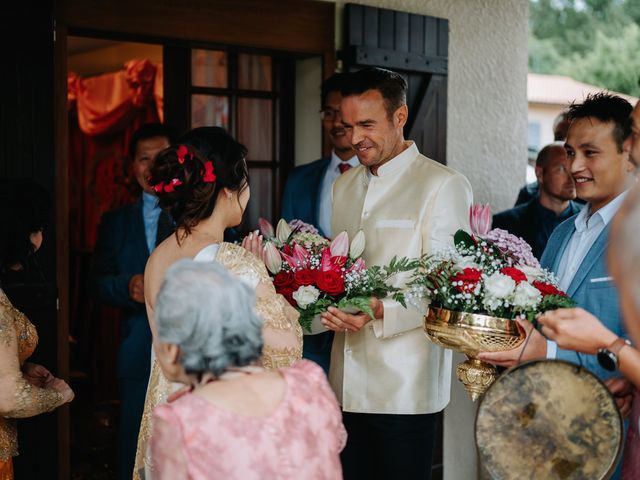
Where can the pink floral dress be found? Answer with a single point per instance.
(302, 438)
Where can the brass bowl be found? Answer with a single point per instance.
(471, 333)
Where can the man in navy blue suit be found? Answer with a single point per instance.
(307, 193)
(126, 238)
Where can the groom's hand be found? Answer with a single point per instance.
(339, 321)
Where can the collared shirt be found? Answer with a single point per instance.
(588, 229)
(398, 162)
(333, 172)
(150, 213)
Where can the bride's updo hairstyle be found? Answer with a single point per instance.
(187, 177)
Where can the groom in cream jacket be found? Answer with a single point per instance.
(389, 379)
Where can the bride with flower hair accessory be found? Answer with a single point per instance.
(203, 182)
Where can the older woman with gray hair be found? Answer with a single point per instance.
(237, 420)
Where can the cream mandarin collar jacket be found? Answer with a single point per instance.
(413, 206)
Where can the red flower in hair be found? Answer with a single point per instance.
(182, 152)
(158, 187)
(168, 188)
(209, 176)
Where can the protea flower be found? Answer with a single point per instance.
(480, 219)
(357, 245)
(272, 258)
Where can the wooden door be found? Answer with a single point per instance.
(416, 46)
(29, 150)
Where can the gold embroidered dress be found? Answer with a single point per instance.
(281, 331)
(18, 340)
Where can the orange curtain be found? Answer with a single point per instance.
(104, 111)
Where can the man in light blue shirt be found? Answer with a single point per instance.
(602, 171)
(126, 238)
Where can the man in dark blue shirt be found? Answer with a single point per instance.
(536, 219)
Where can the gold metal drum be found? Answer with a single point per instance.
(470, 334)
(548, 420)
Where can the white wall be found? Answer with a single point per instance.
(544, 115)
(308, 128)
(486, 137)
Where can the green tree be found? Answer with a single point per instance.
(594, 41)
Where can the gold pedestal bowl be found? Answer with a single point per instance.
(470, 334)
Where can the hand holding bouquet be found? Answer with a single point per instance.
(314, 274)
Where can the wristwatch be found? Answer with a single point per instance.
(608, 357)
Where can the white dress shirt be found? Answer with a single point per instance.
(588, 229)
(332, 172)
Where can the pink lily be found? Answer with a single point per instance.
(357, 266)
(266, 229)
(325, 261)
(340, 245)
(301, 256)
(480, 219)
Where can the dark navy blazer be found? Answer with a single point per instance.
(301, 198)
(122, 252)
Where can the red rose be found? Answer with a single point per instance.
(469, 278)
(517, 275)
(305, 277)
(287, 292)
(330, 282)
(548, 289)
(283, 279)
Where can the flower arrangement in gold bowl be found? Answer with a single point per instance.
(476, 289)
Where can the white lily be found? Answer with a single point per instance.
(357, 245)
(283, 230)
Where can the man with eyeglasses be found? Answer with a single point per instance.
(307, 193)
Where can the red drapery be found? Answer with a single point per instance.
(104, 111)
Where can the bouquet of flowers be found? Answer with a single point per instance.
(489, 272)
(313, 273)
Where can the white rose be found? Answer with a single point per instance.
(306, 295)
(526, 295)
(499, 286)
(532, 273)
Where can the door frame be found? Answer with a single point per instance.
(249, 23)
